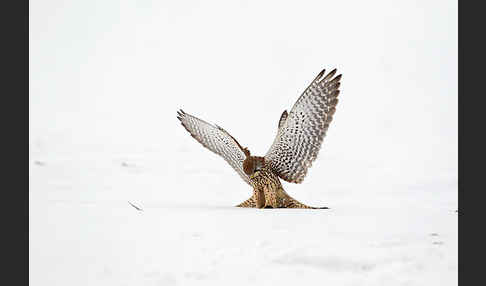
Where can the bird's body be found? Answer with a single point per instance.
(269, 193)
(299, 137)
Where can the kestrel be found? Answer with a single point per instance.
(299, 138)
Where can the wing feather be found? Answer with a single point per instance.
(217, 140)
(283, 117)
(300, 136)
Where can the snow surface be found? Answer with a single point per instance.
(106, 79)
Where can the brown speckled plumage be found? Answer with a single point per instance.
(269, 193)
(299, 138)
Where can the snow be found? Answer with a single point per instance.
(106, 80)
(84, 232)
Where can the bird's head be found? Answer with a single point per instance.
(252, 164)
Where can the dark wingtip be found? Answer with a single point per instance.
(331, 73)
(180, 114)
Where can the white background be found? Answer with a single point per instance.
(106, 80)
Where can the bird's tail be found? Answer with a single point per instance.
(295, 204)
(250, 203)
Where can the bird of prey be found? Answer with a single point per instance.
(299, 138)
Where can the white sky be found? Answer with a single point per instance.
(108, 76)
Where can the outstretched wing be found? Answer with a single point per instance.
(217, 140)
(300, 136)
